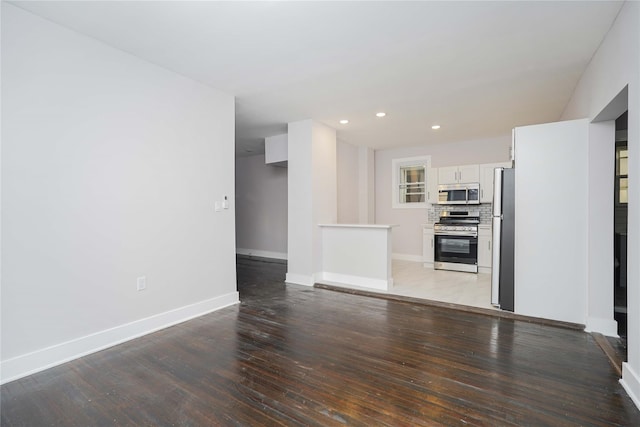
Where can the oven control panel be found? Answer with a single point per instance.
(455, 227)
(455, 230)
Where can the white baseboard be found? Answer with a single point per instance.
(631, 383)
(299, 279)
(485, 270)
(39, 360)
(607, 327)
(262, 254)
(407, 257)
(346, 280)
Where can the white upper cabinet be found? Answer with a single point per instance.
(432, 185)
(468, 173)
(459, 174)
(486, 180)
(448, 175)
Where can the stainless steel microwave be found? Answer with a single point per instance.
(459, 194)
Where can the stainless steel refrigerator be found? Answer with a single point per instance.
(502, 269)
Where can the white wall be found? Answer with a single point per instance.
(262, 197)
(261, 201)
(299, 213)
(348, 168)
(312, 196)
(407, 238)
(110, 170)
(615, 65)
(325, 192)
(600, 232)
(550, 243)
(366, 185)
(275, 150)
(261, 208)
(356, 184)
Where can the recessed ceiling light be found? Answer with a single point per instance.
(435, 127)
(381, 114)
(344, 121)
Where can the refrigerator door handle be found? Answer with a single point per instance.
(497, 233)
(497, 191)
(495, 265)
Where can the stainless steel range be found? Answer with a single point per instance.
(456, 241)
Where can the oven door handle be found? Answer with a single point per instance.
(456, 233)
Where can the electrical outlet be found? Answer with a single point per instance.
(225, 202)
(141, 283)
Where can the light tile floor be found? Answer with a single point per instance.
(412, 279)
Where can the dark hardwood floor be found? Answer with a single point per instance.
(291, 355)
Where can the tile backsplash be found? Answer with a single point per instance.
(433, 212)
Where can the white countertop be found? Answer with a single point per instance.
(481, 225)
(359, 225)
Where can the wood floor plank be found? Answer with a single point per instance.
(292, 355)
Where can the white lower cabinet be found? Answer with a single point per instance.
(484, 249)
(428, 243)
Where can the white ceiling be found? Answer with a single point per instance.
(476, 68)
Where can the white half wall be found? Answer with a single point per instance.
(614, 66)
(261, 208)
(407, 238)
(110, 170)
(357, 255)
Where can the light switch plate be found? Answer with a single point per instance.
(141, 283)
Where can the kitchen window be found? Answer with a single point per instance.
(410, 182)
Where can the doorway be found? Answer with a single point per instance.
(620, 226)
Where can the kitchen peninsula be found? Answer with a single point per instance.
(356, 255)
